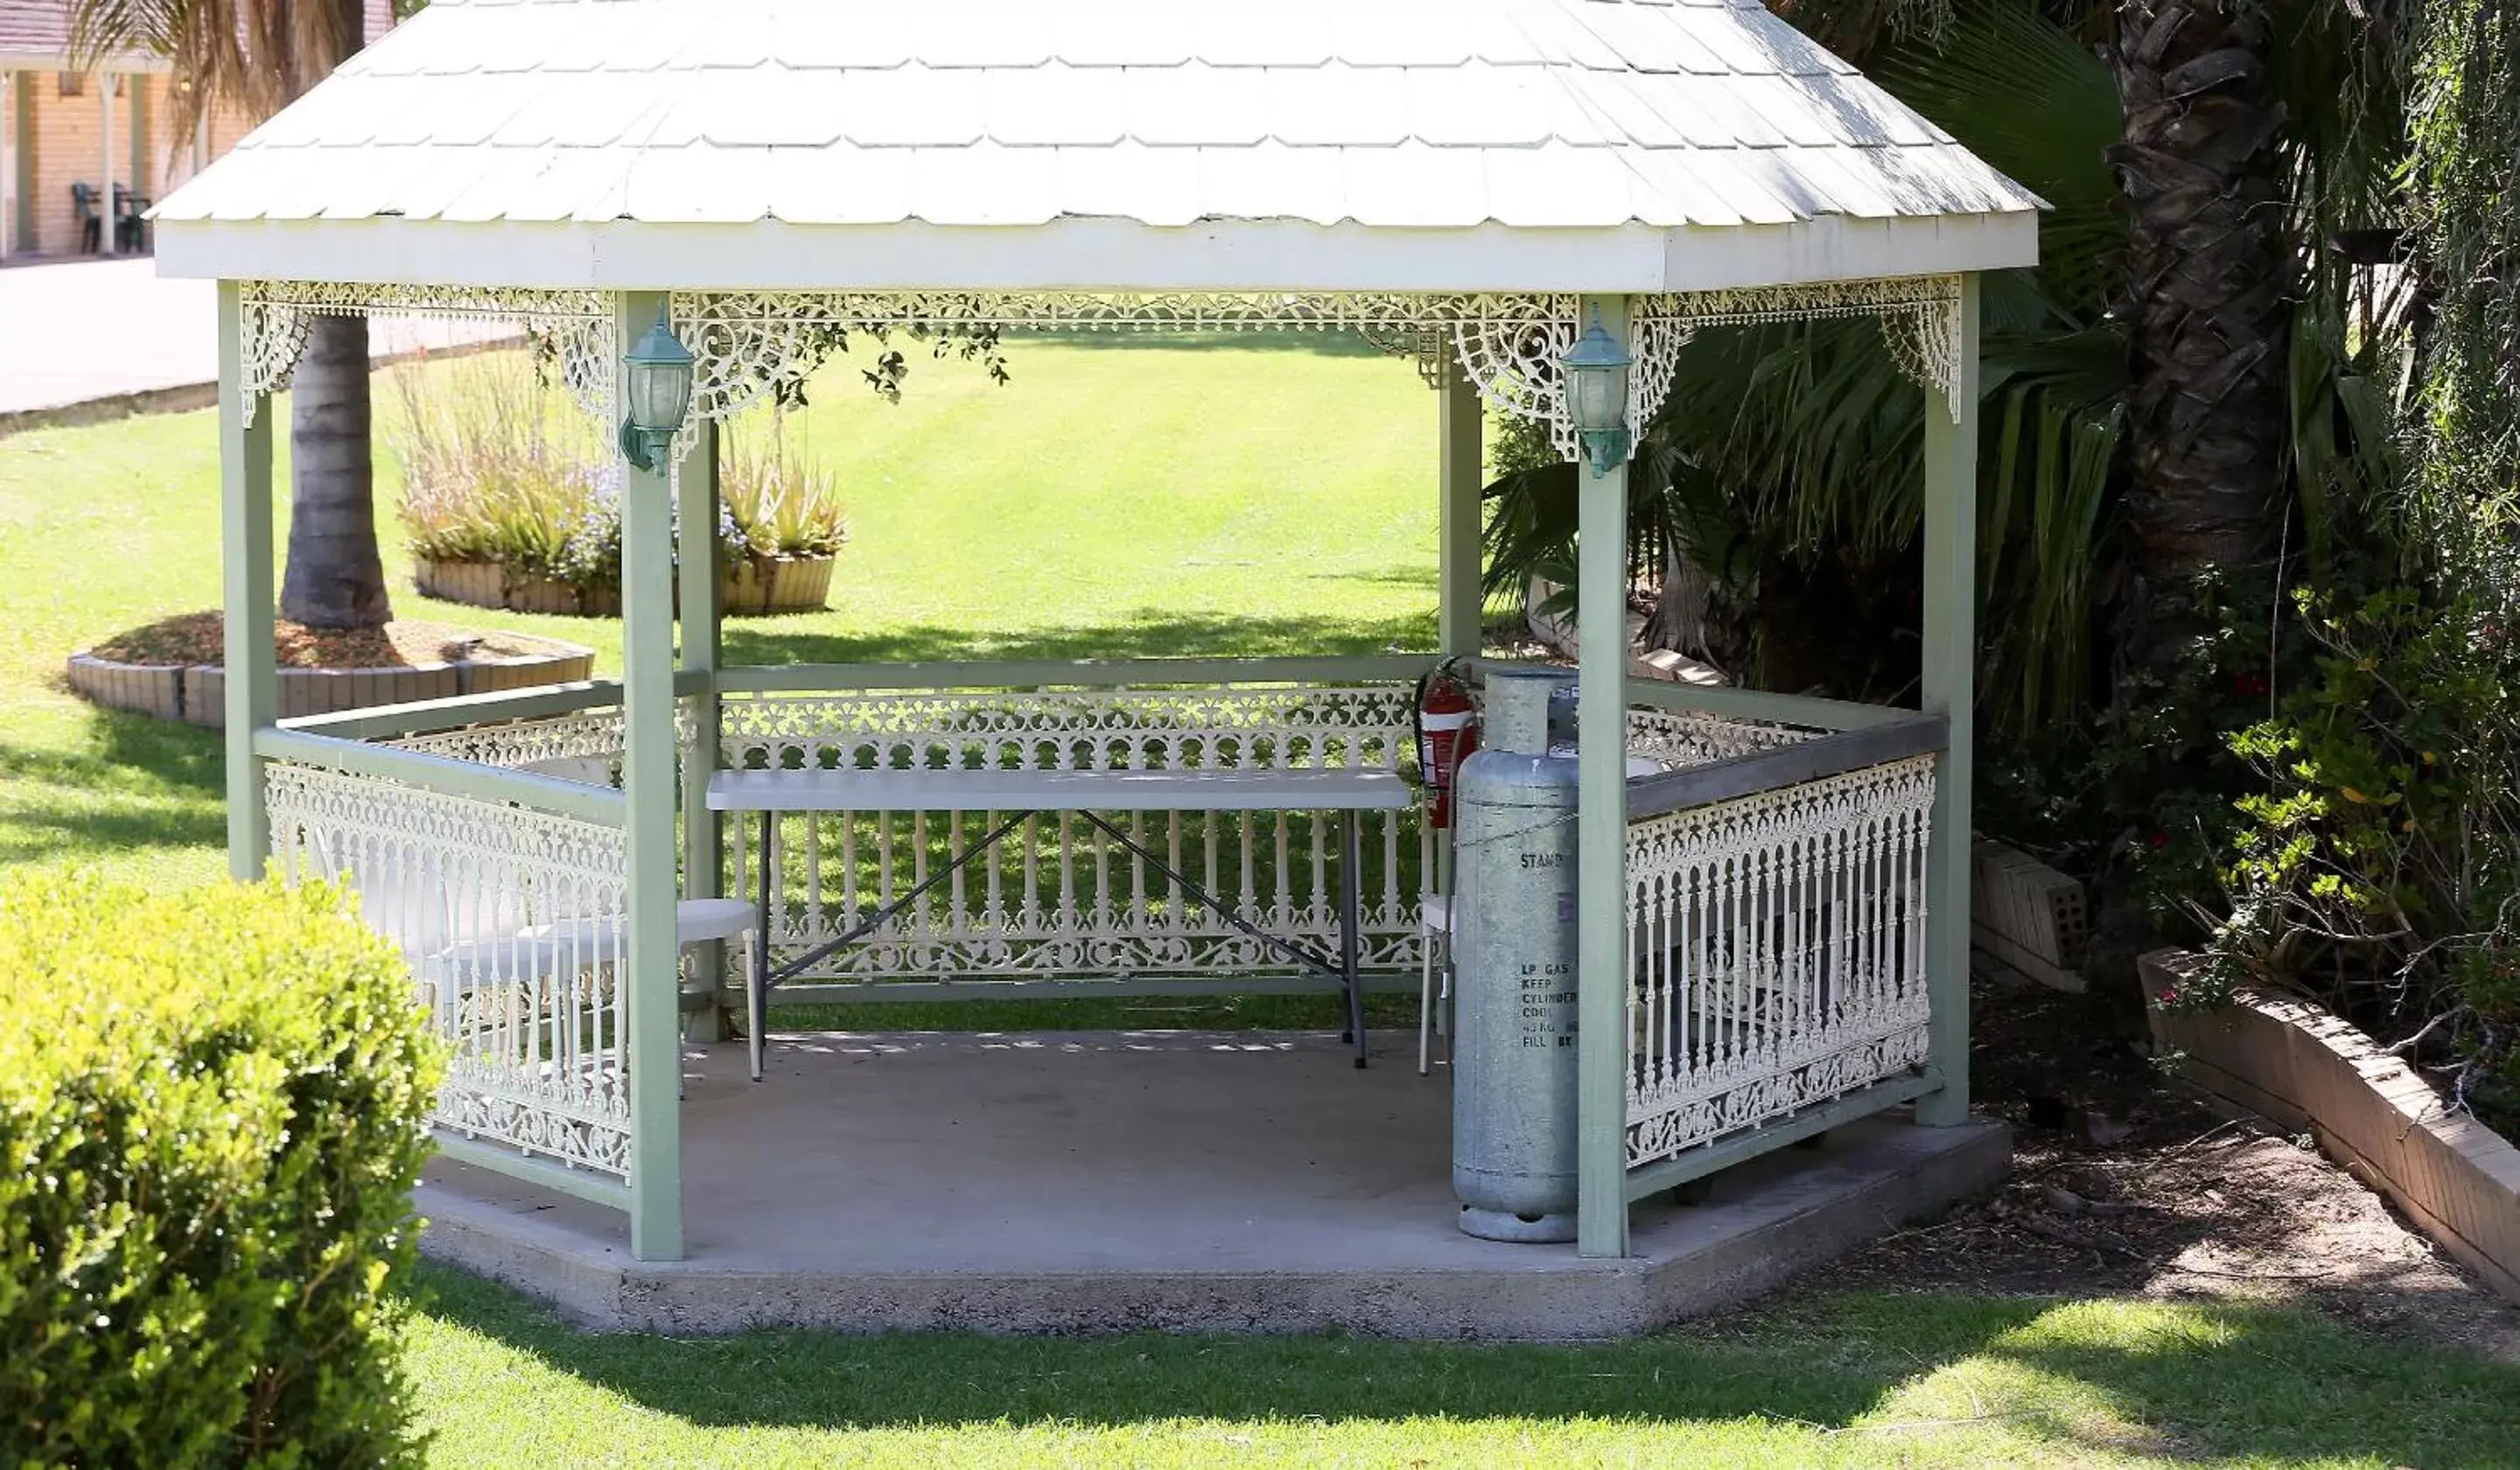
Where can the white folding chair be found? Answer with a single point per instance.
(696, 922)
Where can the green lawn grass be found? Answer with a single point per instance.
(1256, 495)
(1238, 497)
(1848, 1380)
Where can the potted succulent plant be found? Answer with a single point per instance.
(780, 525)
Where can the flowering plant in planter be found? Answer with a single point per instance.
(510, 496)
(492, 473)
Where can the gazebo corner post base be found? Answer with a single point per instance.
(250, 588)
(1949, 690)
(696, 487)
(1602, 843)
(650, 978)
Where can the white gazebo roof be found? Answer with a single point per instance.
(1608, 146)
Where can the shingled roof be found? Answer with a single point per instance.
(1640, 124)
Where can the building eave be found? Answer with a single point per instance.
(1091, 255)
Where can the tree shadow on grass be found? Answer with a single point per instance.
(134, 781)
(770, 641)
(2217, 1380)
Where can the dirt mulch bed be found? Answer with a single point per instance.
(2123, 1183)
(195, 638)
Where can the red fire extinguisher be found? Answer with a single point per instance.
(1447, 732)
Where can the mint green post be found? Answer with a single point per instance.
(1465, 477)
(651, 979)
(1460, 481)
(245, 542)
(704, 836)
(1602, 843)
(1949, 690)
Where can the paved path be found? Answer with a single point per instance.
(79, 331)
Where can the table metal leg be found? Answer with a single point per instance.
(1351, 861)
(759, 979)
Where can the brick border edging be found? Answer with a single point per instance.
(147, 688)
(2303, 1068)
(198, 695)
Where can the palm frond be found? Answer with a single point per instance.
(256, 56)
(1785, 445)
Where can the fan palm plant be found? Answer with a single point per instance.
(256, 56)
(1792, 455)
(2193, 391)
(2103, 410)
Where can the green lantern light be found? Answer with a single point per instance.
(1596, 396)
(657, 382)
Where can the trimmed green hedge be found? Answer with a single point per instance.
(211, 1115)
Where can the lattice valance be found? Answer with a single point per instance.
(1505, 344)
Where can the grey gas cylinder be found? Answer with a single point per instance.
(1514, 948)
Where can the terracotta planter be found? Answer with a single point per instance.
(775, 584)
(754, 586)
(488, 583)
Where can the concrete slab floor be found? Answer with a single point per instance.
(1109, 1181)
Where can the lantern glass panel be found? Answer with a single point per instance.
(1599, 398)
(660, 392)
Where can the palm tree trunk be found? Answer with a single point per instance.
(334, 576)
(2210, 266)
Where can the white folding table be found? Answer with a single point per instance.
(1092, 796)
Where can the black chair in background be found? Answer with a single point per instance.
(91, 221)
(130, 228)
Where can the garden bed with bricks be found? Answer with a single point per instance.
(2126, 1182)
(2312, 1072)
(171, 669)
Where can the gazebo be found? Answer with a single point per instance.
(1469, 184)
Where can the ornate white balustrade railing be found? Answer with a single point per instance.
(512, 919)
(1775, 883)
(1776, 926)
(1677, 739)
(583, 745)
(1056, 900)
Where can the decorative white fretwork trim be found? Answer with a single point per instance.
(578, 324)
(750, 343)
(1921, 320)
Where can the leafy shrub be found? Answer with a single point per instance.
(773, 505)
(211, 1110)
(2379, 867)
